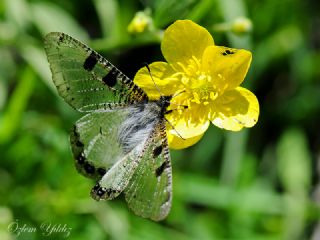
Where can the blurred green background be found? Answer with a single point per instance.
(259, 184)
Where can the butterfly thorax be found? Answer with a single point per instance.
(164, 103)
(140, 121)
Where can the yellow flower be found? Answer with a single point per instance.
(203, 77)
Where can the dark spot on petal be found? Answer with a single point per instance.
(227, 52)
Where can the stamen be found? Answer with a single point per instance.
(197, 62)
(182, 66)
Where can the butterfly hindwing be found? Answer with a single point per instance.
(95, 144)
(133, 133)
(149, 192)
(85, 79)
(117, 178)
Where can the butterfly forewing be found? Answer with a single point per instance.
(85, 79)
(149, 191)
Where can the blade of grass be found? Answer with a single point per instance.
(16, 105)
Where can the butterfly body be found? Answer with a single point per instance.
(121, 141)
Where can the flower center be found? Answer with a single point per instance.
(197, 83)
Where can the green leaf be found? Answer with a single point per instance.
(107, 12)
(232, 156)
(18, 12)
(167, 11)
(10, 121)
(49, 17)
(294, 161)
(38, 61)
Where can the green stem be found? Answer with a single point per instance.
(235, 145)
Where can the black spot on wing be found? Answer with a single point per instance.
(90, 62)
(99, 192)
(160, 169)
(79, 144)
(157, 151)
(61, 38)
(90, 169)
(111, 78)
(81, 159)
(101, 171)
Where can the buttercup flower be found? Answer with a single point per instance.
(205, 78)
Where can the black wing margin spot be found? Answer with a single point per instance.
(90, 62)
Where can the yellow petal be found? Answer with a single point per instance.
(163, 77)
(227, 66)
(178, 143)
(185, 133)
(235, 109)
(184, 128)
(184, 39)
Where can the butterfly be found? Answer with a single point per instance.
(121, 142)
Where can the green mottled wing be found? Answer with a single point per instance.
(85, 79)
(95, 144)
(149, 191)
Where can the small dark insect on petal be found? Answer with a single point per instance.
(227, 52)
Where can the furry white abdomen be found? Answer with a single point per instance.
(136, 129)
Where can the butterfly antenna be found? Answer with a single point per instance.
(177, 94)
(174, 129)
(147, 66)
(179, 105)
